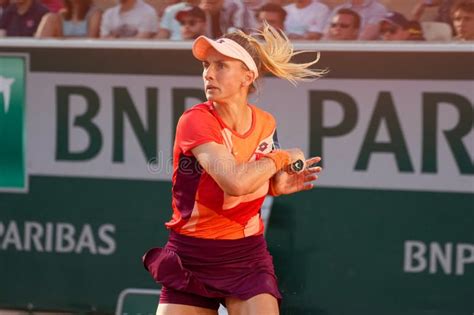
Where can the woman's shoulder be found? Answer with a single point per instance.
(198, 122)
(263, 115)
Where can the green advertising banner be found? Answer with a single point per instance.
(12, 123)
(388, 230)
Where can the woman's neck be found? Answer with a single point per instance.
(236, 115)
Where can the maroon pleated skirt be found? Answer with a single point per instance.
(210, 268)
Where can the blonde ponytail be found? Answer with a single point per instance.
(273, 52)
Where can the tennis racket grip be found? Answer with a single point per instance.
(297, 166)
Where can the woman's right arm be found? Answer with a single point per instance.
(237, 179)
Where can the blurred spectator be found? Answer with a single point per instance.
(22, 18)
(3, 6)
(305, 19)
(222, 16)
(162, 5)
(444, 9)
(169, 26)
(345, 25)
(53, 5)
(394, 26)
(129, 19)
(249, 14)
(371, 13)
(78, 19)
(273, 14)
(193, 22)
(415, 30)
(463, 19)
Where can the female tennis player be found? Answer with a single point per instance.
(226, 160)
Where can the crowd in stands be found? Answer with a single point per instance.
(308, 20)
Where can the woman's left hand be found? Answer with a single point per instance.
(289, 182)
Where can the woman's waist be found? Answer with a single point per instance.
(206, 251)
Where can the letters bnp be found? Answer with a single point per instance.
(448, 258)
(384, 115)
(12, 124)
(124, 109)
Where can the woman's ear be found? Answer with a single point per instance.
(248, 78)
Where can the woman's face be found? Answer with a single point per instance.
(224, 77)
